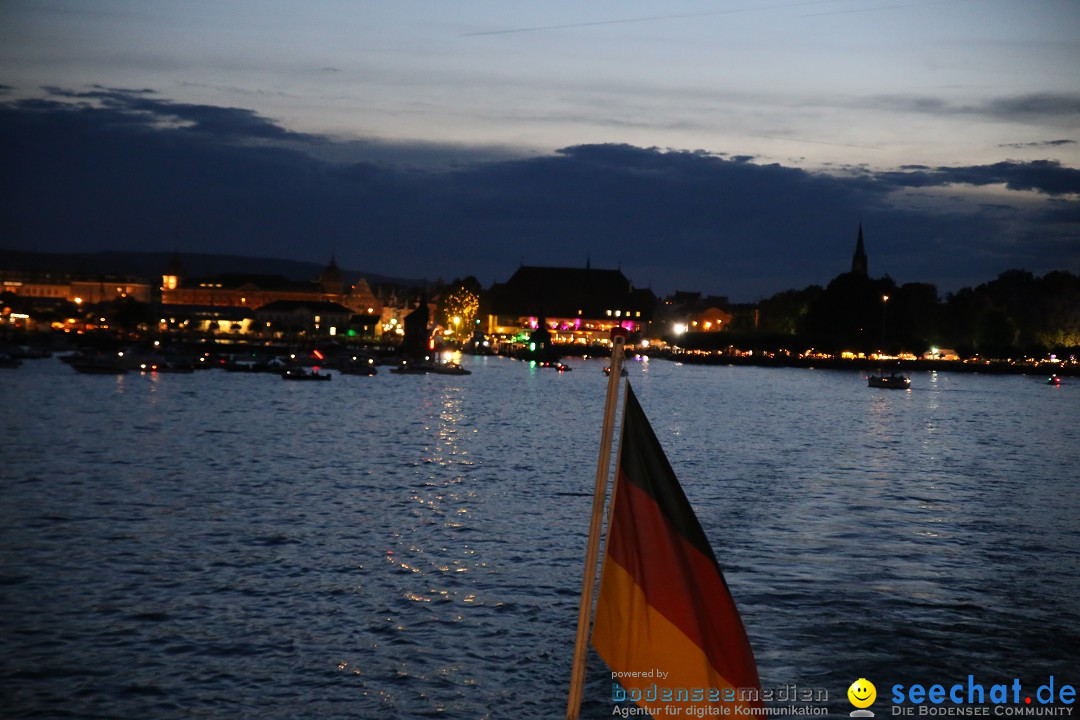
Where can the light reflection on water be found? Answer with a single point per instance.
(221, 545)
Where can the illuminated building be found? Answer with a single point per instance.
(685, 312)
(74, 288)
(302, 317)
(576, 305)
(248, 290)
(256, 292)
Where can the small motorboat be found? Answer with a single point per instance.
(1054, 379)
(894, 381)
(416, 368)
(448, 368)
(302, 374)
(622, 371)
(358, 365)
(99, 364)
(166, 367)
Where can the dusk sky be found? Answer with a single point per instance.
(730, 146)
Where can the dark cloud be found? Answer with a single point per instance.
(1029, 107)
(121, 169)
(908, 104)
(1043, 176)
(1038, 144)
(144, 106)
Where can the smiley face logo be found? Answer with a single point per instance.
(862, 693)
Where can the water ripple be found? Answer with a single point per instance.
(224, 546)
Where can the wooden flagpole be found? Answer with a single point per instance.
(592, 549)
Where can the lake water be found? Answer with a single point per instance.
(223, 545)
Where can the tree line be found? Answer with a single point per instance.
(1017, 314)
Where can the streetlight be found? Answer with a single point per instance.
(884, 305)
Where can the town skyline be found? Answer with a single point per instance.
(1016, 312)
(149, 266)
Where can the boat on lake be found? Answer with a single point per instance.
(303, 374)
(357, 365)
(449, 368)
(892, 381)
(423, 368)
(167, 366)
(411, 368)
(99, 364)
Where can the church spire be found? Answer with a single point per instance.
(174, 274)
(859, 261)
(330, 279)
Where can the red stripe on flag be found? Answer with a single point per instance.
(631, 635)
(680, 582)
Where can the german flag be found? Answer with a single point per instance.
(666, 623)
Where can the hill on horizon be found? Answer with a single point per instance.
(151, 265)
